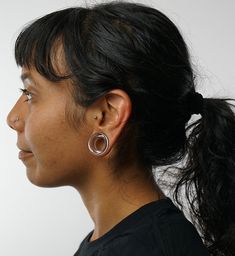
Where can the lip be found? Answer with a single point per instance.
(25, 155)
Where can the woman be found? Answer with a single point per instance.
(108, 95)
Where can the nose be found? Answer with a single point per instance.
(15, 118)
(12, 120)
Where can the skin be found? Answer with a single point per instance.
(60, 155)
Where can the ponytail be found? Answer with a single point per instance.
(210, 170)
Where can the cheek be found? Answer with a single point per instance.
(45, 134)
(60, 152)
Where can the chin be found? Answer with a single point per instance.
(42, 180)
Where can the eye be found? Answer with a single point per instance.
(27, 94)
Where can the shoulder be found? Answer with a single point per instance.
(166, 234)
(180, 237)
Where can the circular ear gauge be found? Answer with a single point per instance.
(98, 144)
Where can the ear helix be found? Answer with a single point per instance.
(98, 144)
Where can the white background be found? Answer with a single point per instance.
(38, 221)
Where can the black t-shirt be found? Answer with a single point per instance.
(158, 228)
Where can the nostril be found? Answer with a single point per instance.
(12, 120)
(11, 127)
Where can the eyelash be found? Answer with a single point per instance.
(26, 93)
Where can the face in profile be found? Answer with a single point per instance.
(52, 150)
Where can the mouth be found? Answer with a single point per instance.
(23, 155)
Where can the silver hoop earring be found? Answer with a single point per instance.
(98, 144)
(16, 120)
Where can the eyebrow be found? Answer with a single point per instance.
(24, 76)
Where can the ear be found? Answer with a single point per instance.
(111, 113)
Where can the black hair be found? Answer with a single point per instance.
(138, 49)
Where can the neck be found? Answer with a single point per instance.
(109, 200)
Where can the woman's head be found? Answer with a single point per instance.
(118, 58)
(123, 70)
